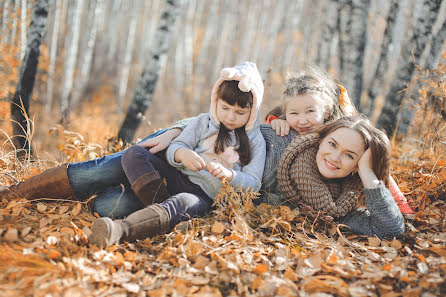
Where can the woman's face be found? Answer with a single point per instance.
(339, 153)
(232, 116)
(304, 113)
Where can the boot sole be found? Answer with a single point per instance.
(100, 235)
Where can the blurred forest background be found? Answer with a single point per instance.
(93, 53)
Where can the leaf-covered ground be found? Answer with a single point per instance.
(238, 250)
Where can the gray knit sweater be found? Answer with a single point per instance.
(382, 217)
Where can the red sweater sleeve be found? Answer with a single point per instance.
(270, 118)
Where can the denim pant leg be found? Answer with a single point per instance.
(103, 176)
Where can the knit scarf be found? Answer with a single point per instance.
(301, 182)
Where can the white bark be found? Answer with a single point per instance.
(84, 75)
(353, 47)
(113, 29)
(23, 29)
(376, 85)
(70, 61)
(125, 67)
(14, 21)
(5, 21)
(328, 34)
(271, 37)
(294, 23)
(203, 57)
(53, 53)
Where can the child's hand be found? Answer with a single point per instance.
(365, 170)
(219, 171)
(190, 159)
(160, 142)
(281, 127)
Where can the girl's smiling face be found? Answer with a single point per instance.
(339, 153)
(305, 112)
(232, 116)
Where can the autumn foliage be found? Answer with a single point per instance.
(239, 249)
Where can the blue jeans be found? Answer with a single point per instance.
(105, 177)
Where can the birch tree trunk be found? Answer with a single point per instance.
(53, 52)
(376, 86)
(70, 62)
(327, 35)
(291, 31)
(125, 67)
(23, 29)
(434, 55)
(425, 14)
(20, 103)
(272, 33)
(354, 37)
(147, 82)
(203, 57)
(14, 21)
(82, 81)
(5, 21)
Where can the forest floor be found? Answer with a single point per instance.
(238, 250)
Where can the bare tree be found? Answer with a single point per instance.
(328, 33)
(384, 59)
(353, 33)
(70, 62)
(28, 68)
(149, 77)
(53, 52)
(125, 67)
(23, 29)
(425, 15)
(5, 21)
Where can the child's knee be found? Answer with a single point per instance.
(135, 154)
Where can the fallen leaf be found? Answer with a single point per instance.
(218, 228)
(76, 210)
(41, 207)
(12, 235)
(374, 241)
(260, 268)
(396, 244)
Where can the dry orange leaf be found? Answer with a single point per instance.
(260, 268)
(54, 254)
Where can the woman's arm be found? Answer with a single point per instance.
(162, 141)
(382, 217)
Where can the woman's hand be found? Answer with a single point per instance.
(219, 171)
(365, 170)
(281, 127)
(160, 142)
(190, 159)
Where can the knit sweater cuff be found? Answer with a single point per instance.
(378, 196)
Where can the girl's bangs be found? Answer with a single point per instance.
(231, 94)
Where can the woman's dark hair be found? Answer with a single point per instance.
(231, 94)
(374, 139)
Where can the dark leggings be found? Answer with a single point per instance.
(187, 200)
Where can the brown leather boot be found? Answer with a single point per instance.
(146, 222)
(52, 183)
(150, 188)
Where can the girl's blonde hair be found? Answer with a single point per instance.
(313, 80)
